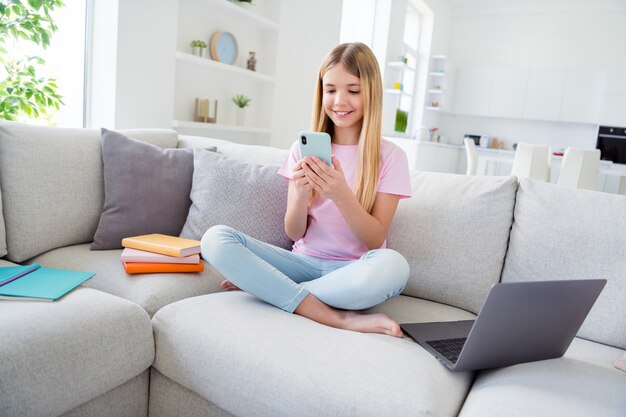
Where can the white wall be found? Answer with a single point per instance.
(147, 31)
(536, 34)
(131, 73)
(308, 31)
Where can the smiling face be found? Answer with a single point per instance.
(343, 98)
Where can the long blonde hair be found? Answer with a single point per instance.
(358, 60)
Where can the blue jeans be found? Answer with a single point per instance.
(283, 278)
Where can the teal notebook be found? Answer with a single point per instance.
(32, 282)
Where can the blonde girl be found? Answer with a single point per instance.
(338, 217)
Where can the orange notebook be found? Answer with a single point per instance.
(163, 244)
(150, 268)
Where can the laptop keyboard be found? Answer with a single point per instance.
(449, 348)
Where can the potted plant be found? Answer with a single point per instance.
(246, 4)
(241, 101)
(197, 47)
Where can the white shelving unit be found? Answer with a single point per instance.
(196, 60)
(399, 80)
(214, 127)
(436, 83)
(199, 77)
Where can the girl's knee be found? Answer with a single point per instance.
(213, 241)
(394, 268)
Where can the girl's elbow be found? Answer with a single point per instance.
(375, 243)
(294, 235)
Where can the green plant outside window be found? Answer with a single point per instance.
(22, 91)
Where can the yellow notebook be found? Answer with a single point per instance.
(163, 244)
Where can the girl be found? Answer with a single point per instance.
(337, 216)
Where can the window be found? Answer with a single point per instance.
(64, 61)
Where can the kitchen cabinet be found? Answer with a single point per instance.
(582, 96)
(550, 94)
(613, 111)
(508, 92)
(472, 92)
(544, 94)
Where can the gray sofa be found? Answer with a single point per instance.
(173, 345)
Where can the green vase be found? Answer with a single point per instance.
(402, 118)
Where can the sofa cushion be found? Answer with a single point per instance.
(127, 400)
(146, 190)
(256, 154)
(248, 197)
(454, 233)
(252, 359)
(565, 233)
(52, 184)
(582, 383)
(149, 291)
(62, 354)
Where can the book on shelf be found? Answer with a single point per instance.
(163, 244)
(32, 282)
(136, 255)
(150, 267)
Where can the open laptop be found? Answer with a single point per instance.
(518, 322)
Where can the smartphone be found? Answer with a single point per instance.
(316, 144)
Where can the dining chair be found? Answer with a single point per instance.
(471, 155)
(532, 161)
(579, 168)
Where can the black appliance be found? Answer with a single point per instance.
(612, 144)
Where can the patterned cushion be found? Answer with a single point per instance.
(248, 197)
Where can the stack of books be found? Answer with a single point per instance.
(155, 253)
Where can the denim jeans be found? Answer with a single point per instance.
(283, 278)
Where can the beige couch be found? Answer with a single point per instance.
(167, 344)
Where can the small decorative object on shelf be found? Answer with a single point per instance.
(246, 4)
(435, 136)
(434, 104)
(402, 118)
(496, 143)
(224, 47)
(202, 111)
(397, 86)
(251, 64)
(197, 47)
(241, 101)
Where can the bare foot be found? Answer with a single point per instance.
(229, 286)
(312, 308)
(371, 323)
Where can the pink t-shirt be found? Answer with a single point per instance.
(328, 236)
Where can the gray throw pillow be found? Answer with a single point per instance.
(248, 197)
(146, 190)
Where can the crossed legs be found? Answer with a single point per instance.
(288, 281)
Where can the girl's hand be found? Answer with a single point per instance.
(302, 186)
(330, 182)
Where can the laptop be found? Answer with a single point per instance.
(518, 322)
